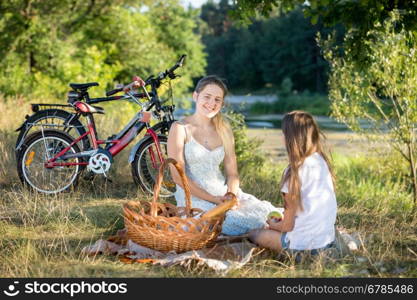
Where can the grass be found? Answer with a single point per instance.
(42, 236)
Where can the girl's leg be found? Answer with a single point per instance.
(266, 238)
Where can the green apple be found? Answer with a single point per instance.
(275, 214)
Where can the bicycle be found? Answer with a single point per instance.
(50, 161)
(62, 116)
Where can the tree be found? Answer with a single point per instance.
(361, 16)
(288, 49)
(39, 45)
(385, 93)
(264, 52)
(47, 44)
(216, 16)
(352, 14)
(176, 29)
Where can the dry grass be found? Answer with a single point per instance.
(42, 236)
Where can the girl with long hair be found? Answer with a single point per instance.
(201, 143)
(307, 186)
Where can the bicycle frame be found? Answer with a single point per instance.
(63, 148)
(127, 134)
(122, 139)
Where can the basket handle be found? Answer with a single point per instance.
(158, 184)
(221, 208)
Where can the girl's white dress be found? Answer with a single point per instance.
(203, 167)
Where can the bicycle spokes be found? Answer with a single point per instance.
(48, 180)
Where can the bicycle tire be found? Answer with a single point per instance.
(31, 140)
(143, 175)
(51, 114)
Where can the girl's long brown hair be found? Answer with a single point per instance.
(302, 138)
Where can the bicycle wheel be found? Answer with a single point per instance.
(146, 165)
(52, 119)
(36, 150)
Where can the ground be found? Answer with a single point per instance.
(42, 236)
(342, 142)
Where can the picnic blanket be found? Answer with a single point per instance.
(228, 253)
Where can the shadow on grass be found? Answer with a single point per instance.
(102, 216)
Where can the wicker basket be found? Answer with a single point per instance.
(165, 227)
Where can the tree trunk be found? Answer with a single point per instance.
(413, 174)
(32, 61)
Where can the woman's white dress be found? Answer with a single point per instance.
(203, 167)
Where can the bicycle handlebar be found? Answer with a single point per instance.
(138, 82)
(167, 73)
(179, 63)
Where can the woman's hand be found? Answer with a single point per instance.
(228, 197)
(219, 199)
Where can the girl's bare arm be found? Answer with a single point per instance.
(287, 223)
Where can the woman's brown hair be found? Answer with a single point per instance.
(302, 138)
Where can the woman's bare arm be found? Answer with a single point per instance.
(230, 166)
(176, 140)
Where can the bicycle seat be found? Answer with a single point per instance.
(83, 86)
(87, 108)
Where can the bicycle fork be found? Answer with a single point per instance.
(150, 132)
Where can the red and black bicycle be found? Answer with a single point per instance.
(50, 161)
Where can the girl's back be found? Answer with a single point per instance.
(314, 225)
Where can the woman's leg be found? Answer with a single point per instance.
(266, 238)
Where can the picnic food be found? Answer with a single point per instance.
(275, 215)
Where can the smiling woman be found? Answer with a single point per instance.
(201, 143)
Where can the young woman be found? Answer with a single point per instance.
(200, 143)
(307, 186)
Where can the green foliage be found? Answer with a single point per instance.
(352, 14)
(265, 52)
(250, 157)
(48, 44)
(376, 182)
(176, 29)
(384, 93)
(360, 16)
(286, 87)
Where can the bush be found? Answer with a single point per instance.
(250, 157)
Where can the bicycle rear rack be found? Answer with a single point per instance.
(54, 125)
(37, 106)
